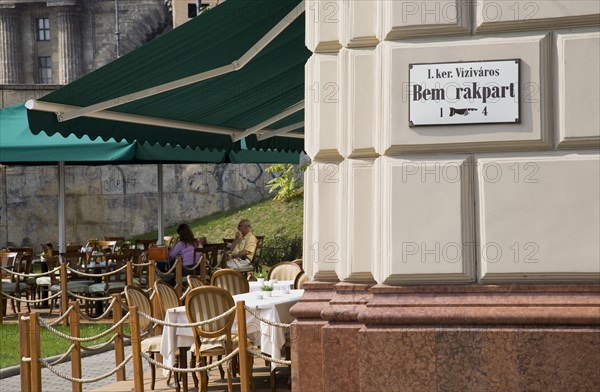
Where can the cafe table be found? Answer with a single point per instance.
(270, 339)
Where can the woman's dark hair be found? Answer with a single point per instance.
(186, 235)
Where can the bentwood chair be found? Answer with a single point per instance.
(214, 339)
(23, 266)
(230, 280)
(8, 261)
(194, 281)
(150, 345)
(167, 297)
(286, 270)
(301, 278)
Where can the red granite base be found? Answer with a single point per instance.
(450, 338)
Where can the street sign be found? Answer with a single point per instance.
(479, 92)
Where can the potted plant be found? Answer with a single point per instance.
(260, 277)
(266, 290)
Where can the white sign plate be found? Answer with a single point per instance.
(464, 93)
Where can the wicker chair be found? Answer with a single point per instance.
(212, 339)
(151, 345)
(230, 280)
(194, 281)
(301, 278)
(286, 270)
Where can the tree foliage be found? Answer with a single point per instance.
(288, 183)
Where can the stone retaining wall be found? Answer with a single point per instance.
(119, 200)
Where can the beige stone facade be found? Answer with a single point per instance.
(461, 203)
(461, 251)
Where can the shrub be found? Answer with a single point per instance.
(280, 249)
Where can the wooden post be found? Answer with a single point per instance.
(119, 346)
(2, 301)
(129, 273)
(76, 353)
(203, 268)
(24, 352)
(136, 349)
(64, 295)
(245, 369)
(34, 353)
(151, 273)
(178, 276)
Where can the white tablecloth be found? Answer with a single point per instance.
(270, 339)
(279, 285)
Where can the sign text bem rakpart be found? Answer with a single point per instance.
(464, 93)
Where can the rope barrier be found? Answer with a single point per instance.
(30, 301)
(266, 321)
(267, 358)
(22, 275)
(88, 339)
(191, 370)
(60, 319)
(100, 346)
(193, 267)
(196, 324)
(86, 274)
(91, 299)
(140, 265)
(108, 309)
(85, 380)
(64, 356)
(170, 271)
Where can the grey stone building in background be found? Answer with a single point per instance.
(46, 44)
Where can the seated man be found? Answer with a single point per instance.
(243, 248)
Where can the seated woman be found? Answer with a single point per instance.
(185, 247)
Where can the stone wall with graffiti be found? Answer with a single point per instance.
(119, 200)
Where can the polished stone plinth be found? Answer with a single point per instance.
(447, 338)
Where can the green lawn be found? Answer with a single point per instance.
(270, 218)
(51, 344)
(281, 223)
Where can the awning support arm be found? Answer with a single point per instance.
(234, 66)
(280, 131)
(261, 126)
(134, 118)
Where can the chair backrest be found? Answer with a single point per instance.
(145, 243)
(230, 280)
(299, 262)
(139, 298)
(73, 259)
(106, 246)
(212, 254)
(259, 243)
(301, 278)
(72, 248)
(118, 261)
(7, 260)
(194, 281)
(53, 262)
(24, 257)
(48, 248)
(286, 270)
(207, 302)
(167, 297)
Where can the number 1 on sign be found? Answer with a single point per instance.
(441, 112)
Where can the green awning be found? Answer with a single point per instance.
(205, 113)
(21, 147)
